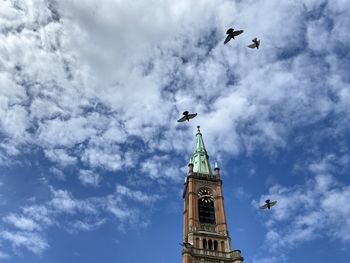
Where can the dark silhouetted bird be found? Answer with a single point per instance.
(231, 33)
(256, 43)
(187, 116)
(268, 204)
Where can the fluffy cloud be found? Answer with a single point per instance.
(39, 213)
(126, 75)
(155, 167)
(86, 225)
(21, 222)
(60, 156)
(136, 195)
(27, 228)
(101, 84)
(29, 240)
(57, 101)
(307, 212)
(87, 177)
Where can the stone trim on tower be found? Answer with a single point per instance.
(207, 240)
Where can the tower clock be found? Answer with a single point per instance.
(206, 237)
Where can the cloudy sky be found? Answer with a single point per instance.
(92, 159)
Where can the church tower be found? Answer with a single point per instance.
(206, 238)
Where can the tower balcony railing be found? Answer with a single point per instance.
(235, 254)
(207, 228)
(210, 228)
(205, 176)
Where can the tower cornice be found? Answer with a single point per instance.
(206, 236)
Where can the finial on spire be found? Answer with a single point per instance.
(198, 128)
(216, 165)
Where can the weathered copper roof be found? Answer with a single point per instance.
(200, 157)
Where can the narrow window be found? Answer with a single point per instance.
(216, 245)
(210, 244)
(197, 242)
(204, 244)
(206, 206)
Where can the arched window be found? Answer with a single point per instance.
(206, 206)
(216, 245)
(197, 242)
(210, 244)
(204, 244)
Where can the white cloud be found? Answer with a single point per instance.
(72, 214)
(102, 82)
(29, 240)
(70, 132)
(14, 121)
(87, 224)
(22, 223)
(88, 177)
(110, 158)
(136, 195)
(126, 75)
(63, 201)
(119, 210)
(40, 213)
(330, 163)
(307, 212)
(58, 173)
(155, 168)
(60, 156)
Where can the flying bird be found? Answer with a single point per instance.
(256, 43)
(268, 204)
(187, 116)
(231, 34)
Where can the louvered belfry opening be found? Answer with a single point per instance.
(206, 237)
(206, 212)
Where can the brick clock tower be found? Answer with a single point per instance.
(206, 238)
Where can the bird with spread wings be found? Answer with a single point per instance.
(255, 44)
(231, 34)
(268, 204)
(187, 116)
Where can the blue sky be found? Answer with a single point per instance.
(92, 160)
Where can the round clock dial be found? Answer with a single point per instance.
(206, 196)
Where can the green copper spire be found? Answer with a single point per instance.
(200, 157)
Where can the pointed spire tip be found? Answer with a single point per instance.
(200, 157)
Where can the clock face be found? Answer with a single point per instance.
(206, 196)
